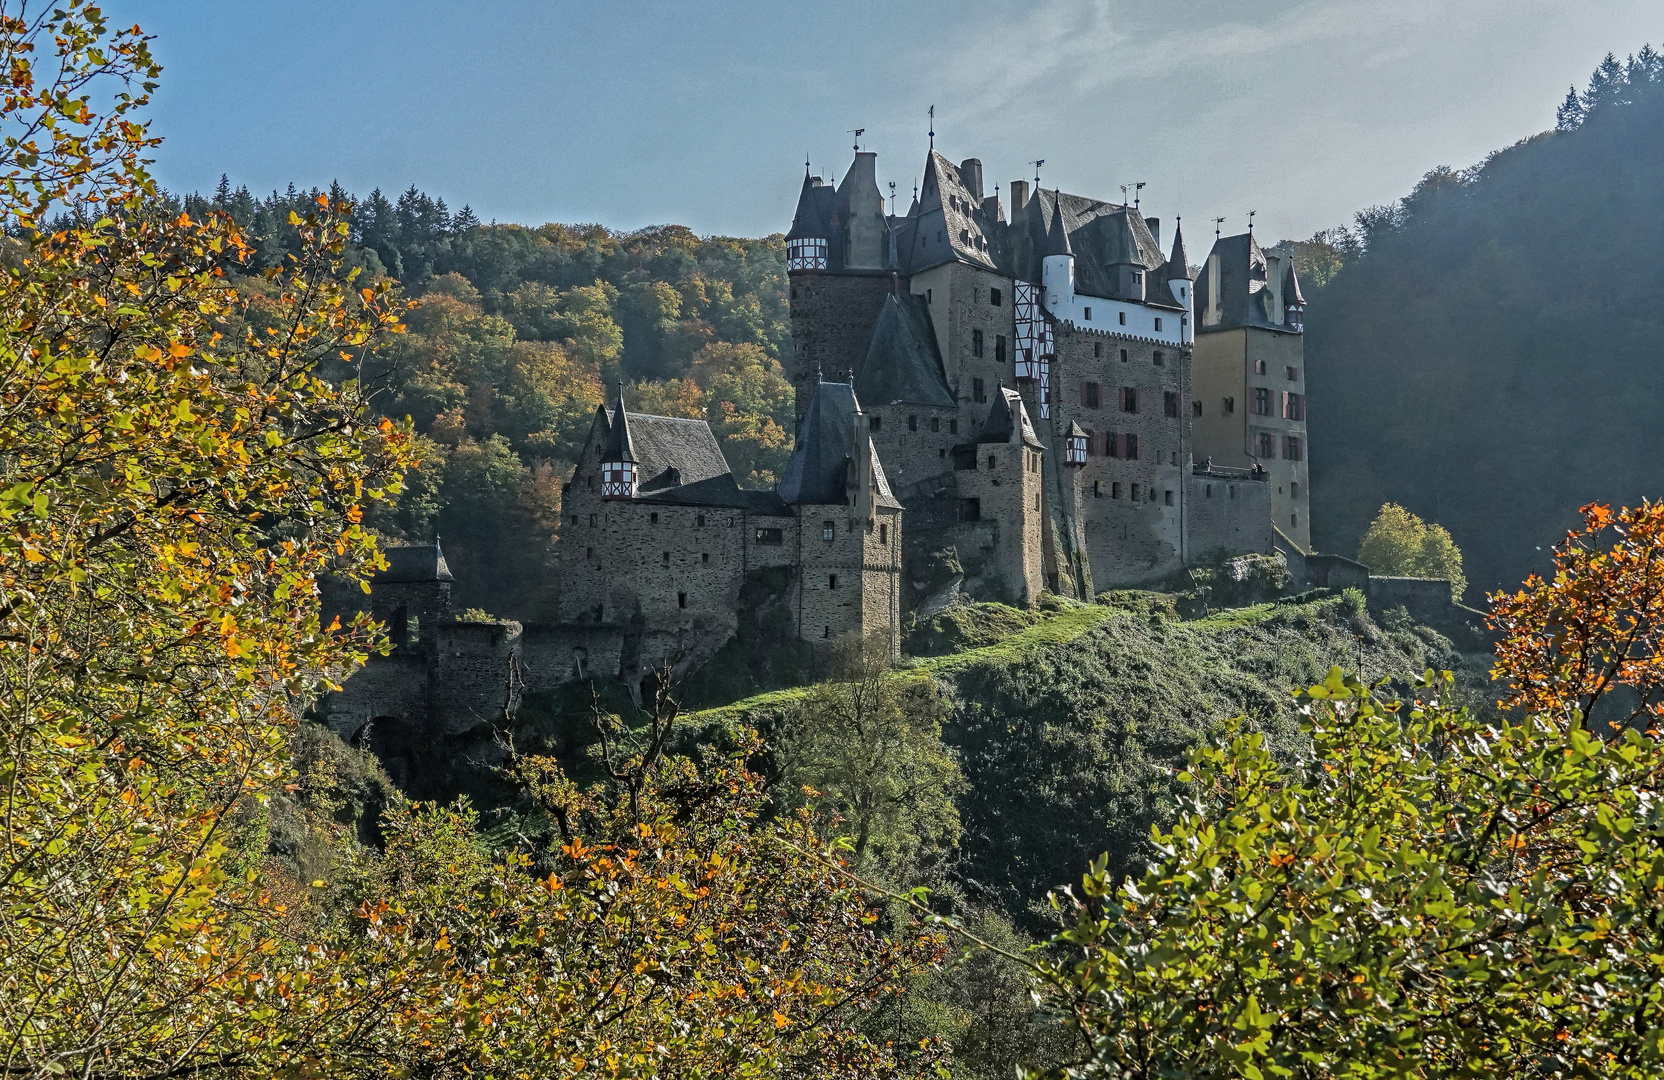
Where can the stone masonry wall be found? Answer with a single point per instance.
(1129, 541)
(552, 654)
(914, 442)
(1006, 484)
(832, 318)
(386, 687)
(960, 305)
(1228, 514)
(475, 674)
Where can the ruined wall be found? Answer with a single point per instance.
(832, 317)
(475, 675)
(552, 654)
(1227, 512)
(1428, 599)
(387, 687)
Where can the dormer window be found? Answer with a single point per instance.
(1137, 278)
(618, 479)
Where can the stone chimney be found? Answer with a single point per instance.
(1019, 197)
(970, 174)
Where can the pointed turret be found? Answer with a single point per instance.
(1057, 263)
(620, 471)
(1178, 263)
(1075, 445)
(808, 242)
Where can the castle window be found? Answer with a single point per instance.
(1232, 489)
(1089, 395)
(994, 297)
(589, 553)
(1293, 374)
(999, 346)
(653, 518)
(1157, 358)
(927, 296)
(1097, 348)
(1037, 502)
(681, 599)
(1294, 491)
(699, 522)
(1196, 407)
(667, 558)
(874, 423)
(574, 519)
(970, 509)
(589, 482)
(1097, 490)
(1170, 403)
(1135, 493)
(1259, 367)
(935, 423)
(1123, 356)
(992, 461)
(1207, 490)
(1115, 489)
(1123, 318)
(828, 530)
(1088, 314)
(976, 342)
(592, 521)
(953, 427)
(1265, 447)
(1262, 401)
(826, 631)
(600, 610)
(1132, 446)
(1129, 399)
(1291, 447)
(942, 452)
(1158, 324)
(1169, 496)
(1227, 406)
(979, 392)
(912, 423)
(1294, 518)
(1294, 406)
(883, 534)
(771, 537)
(1108, 444)
(831, 581)
(1137, 278)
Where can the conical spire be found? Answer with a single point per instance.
(1178, 264)
(1057, 237)
(619, 448)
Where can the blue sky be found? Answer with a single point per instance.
(638, 113)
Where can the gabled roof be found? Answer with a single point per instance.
(1057, 237)
(820, 470)
(1006, 416)
(903, 362)
(414, 562)
(952, 222)
(1244, 287)
(670, 450)
(1291, 286)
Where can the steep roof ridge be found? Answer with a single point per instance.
(903, 361)
(1178, 264)
(619, 446)
(814, 207)
(1008, 415)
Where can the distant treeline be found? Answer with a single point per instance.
(1486, 351)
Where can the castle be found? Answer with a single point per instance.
(988, 404)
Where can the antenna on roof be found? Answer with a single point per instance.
(1251, 214)
(857, 132)
(1037, 165)
(1136, 188)
(933, 127)
(1218, 221)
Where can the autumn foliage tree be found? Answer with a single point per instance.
(182, 460)
(1423, 892)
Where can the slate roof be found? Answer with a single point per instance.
(814, 210)
(680, 462)
(903, 362)
(415, 562)
(1178, 264)
(819, 471)
(1242, 281)
(1006, 412)
(619, 446)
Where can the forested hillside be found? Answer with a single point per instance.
(516, 334)
(1486, 352)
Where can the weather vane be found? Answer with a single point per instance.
(933, 127)
(1037, 163)
(892, 198)
(1218, 221)
(1136, 188)
(857, 132)
(1251, 214)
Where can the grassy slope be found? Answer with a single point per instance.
(1071, 731)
